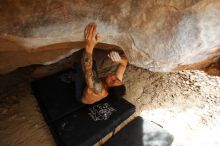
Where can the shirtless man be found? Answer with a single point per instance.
(96, 88)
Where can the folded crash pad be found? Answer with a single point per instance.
(73, 123)
(140, 132)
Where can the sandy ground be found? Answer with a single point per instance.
(185, 103)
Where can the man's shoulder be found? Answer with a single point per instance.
(92, 93)
(90, 97)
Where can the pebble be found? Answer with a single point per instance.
(36, 126)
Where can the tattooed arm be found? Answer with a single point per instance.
(92, 80)
(95, 90)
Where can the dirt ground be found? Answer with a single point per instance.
(184, 103)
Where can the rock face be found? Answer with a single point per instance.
(159, 35)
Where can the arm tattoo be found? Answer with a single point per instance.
(92, 80)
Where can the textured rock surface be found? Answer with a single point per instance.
(159, 35)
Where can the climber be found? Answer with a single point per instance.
(94, 89)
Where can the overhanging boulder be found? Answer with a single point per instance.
(157, 35)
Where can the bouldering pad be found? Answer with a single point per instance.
(140, 132)
(73, 123)
(55, 94)
(91, 123)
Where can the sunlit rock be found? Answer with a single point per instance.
(159, 35)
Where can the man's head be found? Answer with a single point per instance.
(112, 80)
(116, 88)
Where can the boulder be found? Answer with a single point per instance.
(159, 35)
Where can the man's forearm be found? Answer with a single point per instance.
(87, 63)
(92, 80)
(87, 66)
(120, 70)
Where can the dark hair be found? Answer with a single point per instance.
(117, 91)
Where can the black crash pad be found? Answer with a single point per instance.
(89, 124)
(141, 133)
(55, 94)
(72, 123)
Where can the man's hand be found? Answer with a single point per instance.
(114, 56)
(91, 37)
